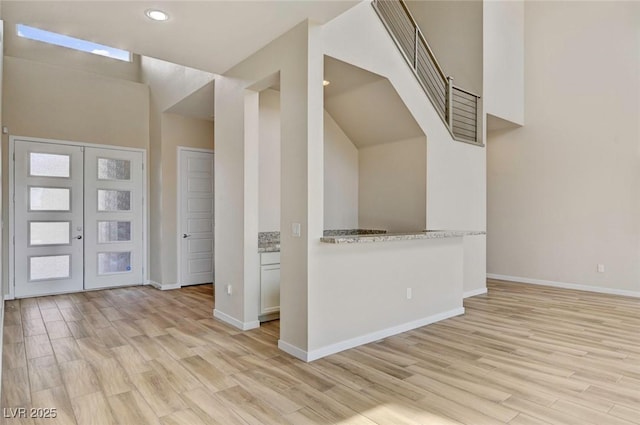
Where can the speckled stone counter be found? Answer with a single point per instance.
(268, 242)
(385, 237)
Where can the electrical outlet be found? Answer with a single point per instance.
(409, 293)
(600, 268)
(228, 289)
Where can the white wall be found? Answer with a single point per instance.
(362, 295)
(375, 187)
(356, 37)
(503, 49)
(340, 178)
(299, 61)
(168, 83)
(340, 170)
(456, 182)
(454, 29)
(502, 101)
(177, 131)
(47, 101)
(563, 189)
(269, 162)
(371, 113)
(475, 265)
(455, 187)
(393, 186)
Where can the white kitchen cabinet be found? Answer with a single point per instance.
(269, 283)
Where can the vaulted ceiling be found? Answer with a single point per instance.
(209, 35)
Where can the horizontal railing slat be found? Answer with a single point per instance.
(459, 121)
(464, 113)
(457, 107)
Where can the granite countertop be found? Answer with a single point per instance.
(270, 241)
(428, 234)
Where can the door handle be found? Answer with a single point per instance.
(78, 237)
(184, 236)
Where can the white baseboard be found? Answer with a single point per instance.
(245, 326)
(8, 297)
(565, 285)
(164, 287)
(473, 293)
(309, 356)
(293, 350)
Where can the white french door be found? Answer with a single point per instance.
(196, 216)
(113, 211)
(78, 218)
(49, 224)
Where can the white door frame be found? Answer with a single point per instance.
(145, 211)
(179, 151)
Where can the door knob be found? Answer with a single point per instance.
(78, 237)
(184, 236)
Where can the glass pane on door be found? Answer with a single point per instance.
(114, 200)
(49, 199)
(114, 169)
(49, 165)
(114, 231)
(49, 233)
(49, 267)
(114, 262)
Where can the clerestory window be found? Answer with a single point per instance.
(49, 37)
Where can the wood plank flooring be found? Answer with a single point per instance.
(522, 355)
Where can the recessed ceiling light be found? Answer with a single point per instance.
(156, 15)
(325, 83)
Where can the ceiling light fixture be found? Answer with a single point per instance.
(325, 83)
(156, 15)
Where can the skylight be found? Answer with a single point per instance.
(72, 43)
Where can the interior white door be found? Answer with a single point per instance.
(113, 205)
(196, 217)
(48, 226)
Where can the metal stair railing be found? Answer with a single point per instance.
(457, 107)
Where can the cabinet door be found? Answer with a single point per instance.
(270, 289)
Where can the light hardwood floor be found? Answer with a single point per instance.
(523, 355)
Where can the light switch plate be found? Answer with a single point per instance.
(295, 230)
